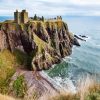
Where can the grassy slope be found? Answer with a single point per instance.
(8, 64)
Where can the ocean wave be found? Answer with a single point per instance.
(67, 59)
(66, 84)
(61, 84)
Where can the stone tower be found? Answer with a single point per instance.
(24, 16)
(21, 17)
(17, 17)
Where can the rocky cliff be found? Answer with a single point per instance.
(44, 42)
(36, 45)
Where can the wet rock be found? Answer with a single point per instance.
(75, 42)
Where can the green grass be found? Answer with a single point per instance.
(4, 82)
(7, 63)
(94, 93)
(40, 43)
(19, 86)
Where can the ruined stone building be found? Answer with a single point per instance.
(21, 17)
(59, 18)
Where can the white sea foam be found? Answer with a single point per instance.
(59, 83)
(87, 39)
(66, 84)
(68, 58)
(45, 75)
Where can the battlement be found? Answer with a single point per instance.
(21, 17)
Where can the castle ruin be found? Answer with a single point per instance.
(59, 18)
(21, 17)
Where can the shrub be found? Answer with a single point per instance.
(19, 86)
(4, 81)
(21, 57)
(94, 93)
(35, 17)
(42, 18)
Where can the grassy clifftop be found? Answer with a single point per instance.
(44, 42)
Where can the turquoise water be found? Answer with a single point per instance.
(85, 59)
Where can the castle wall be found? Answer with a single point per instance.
(17, 17)
(21, 17)
(24, 17)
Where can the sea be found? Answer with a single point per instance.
(84, 60)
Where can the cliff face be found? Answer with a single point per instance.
(46, 42)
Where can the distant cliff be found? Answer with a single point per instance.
(45, 43)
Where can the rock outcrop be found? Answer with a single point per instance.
(37, 85)
(46, 42)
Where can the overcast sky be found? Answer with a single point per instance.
(51, 7)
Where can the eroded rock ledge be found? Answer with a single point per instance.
(46, 42)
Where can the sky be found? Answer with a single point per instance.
(51, 7)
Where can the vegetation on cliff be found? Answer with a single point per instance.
(87, 90)
(36, 45)
(7, 64)
(45, 43)
(19, 87)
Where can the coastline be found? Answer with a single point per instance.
(82, 55)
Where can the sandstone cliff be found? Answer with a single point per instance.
(45, 43)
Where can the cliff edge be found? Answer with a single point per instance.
(45, 43)
(36, 45)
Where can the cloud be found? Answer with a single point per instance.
(51, 7)
(86, 2)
